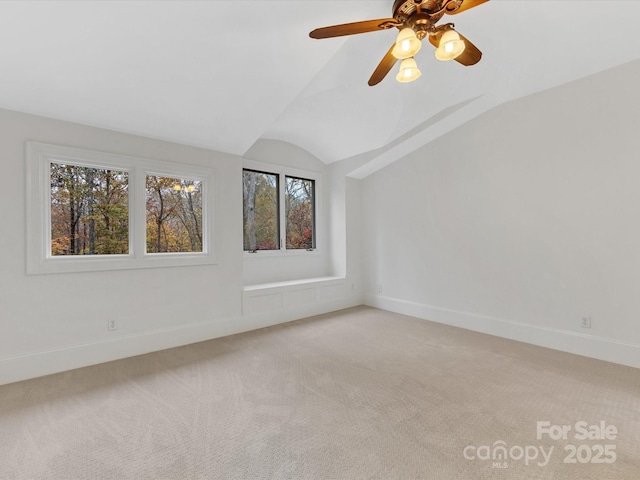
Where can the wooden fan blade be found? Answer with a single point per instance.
(354, 28)
(383, 68)
(465, 5)
(470, 56)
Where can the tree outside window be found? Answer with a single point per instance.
(261, 211)
(174, 214)
(94, 211)
(261, 216)
(89, 210)
(299, 208)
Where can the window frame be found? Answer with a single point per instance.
(278, 209)
(39, 157)
(282, 172)
(314, 236)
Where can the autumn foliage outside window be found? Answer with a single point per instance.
(96, 211)
(262, 199)
(174, 214)
(299, 209)
(89, 210)
(261, 213)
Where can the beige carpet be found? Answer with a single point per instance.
(357, 394)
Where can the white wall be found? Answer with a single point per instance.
(520, 222)
(51, 323)
(345, 226)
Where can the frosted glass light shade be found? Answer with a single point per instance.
(407, 44)
(450, 46)
(408, 71)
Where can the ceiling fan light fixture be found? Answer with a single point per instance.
(451, 45)
(407, 44)
(408, 71)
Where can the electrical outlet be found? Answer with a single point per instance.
(585, 322)
(112, 324)
(379, 288)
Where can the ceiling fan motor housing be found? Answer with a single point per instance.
(419, 15)
(404, 8)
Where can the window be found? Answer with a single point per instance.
(97, 211)
(89, 210)
(261, 210)
(266, 223)
(300, 212)
(174, 214)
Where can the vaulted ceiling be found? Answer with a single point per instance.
(225, 74)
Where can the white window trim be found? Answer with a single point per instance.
(38, 202)
(283, 172)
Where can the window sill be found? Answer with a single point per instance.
(279, 253)
(292, 283)
(92, 263)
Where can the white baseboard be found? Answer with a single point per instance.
(267, 319)
(37, 364)
(572, 342)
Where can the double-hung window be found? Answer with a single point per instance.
(279, 211)
(92, 210)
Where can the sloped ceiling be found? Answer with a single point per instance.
(225, 74)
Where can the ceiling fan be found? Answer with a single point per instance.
(416, 19)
